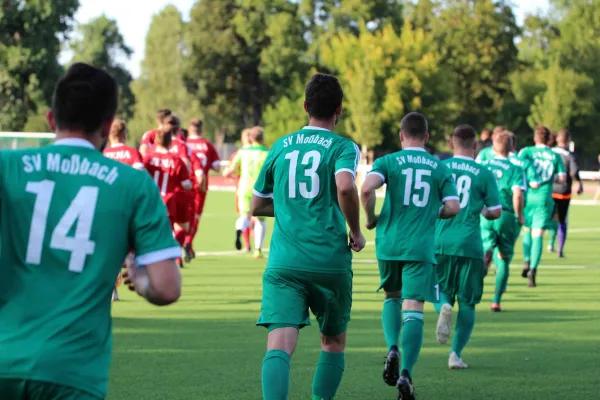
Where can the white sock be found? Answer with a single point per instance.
(242, 223)
(260, 230)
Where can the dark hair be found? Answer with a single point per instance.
(196, 123)
(162, 114)
(117, 130)
(542, 133)
(503, 142)
(172, 120)
(414, 125)
(323, 96)
(163, 137)
(84, 98)
(465, 135)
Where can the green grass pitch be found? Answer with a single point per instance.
(545, 346)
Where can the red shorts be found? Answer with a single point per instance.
(199, 199)
(178, 208)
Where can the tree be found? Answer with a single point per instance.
(161, 81)
(30, 35)
(285, 116)
(101, 44)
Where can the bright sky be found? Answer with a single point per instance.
(134, 18)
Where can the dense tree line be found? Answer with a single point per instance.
(237, 63)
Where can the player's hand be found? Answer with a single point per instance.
(357, 241)
(203, 185)
(580, 190)
(129, 274)
(372, 222)
(534, 185)
(521, 220)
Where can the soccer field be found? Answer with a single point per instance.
(545, 346)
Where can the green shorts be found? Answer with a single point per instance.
(461, 277)
(288, 295)
(243, 200)
(415, 279)
(21, 389)
(538, 216)
(501, 233)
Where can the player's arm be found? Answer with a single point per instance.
(233, 166)
(574, 169)
(448, 195)
(215, 164)
(518, 203)
(184, 177)
(138, 160)
(492, 201)
(346, 164)
(261, 204)
(155, 274)
(368, 196)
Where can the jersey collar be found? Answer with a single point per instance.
(414, 148)
(541, 146)
(315, 128)
(117, 145)
(76, 142)
(464, 158)
(498, 157)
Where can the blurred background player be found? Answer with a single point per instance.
(487, 153)
(543, 167)
(148, 137)
(308, 183)
(459, 248)
(419, 190)
(57, 273)
(248, 161)
(561, 192)
(485, 140)
(117, 149)
(235, 176)
(208, 159)
(500, 236)
(172, 177)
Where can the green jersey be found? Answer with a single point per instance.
(509, 178)
(542, 165)
(417, 185)
(486, 154)
(68, 218)
(299, 173)
(248, 160)
(476, 186)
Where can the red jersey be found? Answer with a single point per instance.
(148, 137)
(180, 148)
(125, 154)
(206, 153)
(169, 172)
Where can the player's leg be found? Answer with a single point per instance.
(197, 207)
(541, 220)
(246, 236)
(469, 293)
(488, 236)
(529, 213)
(391, 317)
(37, 390)
(244, 220)
(563, 220)
(284, 311)
(331, 302)
(553, 227)
(260, 231)
(419, 284)
(446, 271)
(508, 233)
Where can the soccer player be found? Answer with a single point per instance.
(148, 137)
(307, 183)
(172, 178)
(249, 161)
(235, 176)
(420, 189)
(487, 153)
(561, 192)
(485, 140)
(543, 166)
(117, 149)
(62, 250)
(459, 249)
(501, 235)
(209, 159)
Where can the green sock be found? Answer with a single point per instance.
(465, 321)
(527, 245)
(328, 375)
(412, 339)
(552, 232)
(276, 375)
(444, 299)
(392, 321)
(537, 244)
(496, 258)
(503, 267)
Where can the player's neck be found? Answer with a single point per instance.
(95, 140)
(413, 144)
(465, 153)
(161, 149)
(323, 124)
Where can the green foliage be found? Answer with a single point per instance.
(285, 116)
(30, 33)
(101, 44)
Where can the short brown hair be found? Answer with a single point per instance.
(503, 143)
(464, 135)
(498, 129)
(196, 123)
(172, 121)
(256, 134)
(563, 135)
(414, 125)
(163, 137)
(117, 130)
(162, 114)
(542, 134)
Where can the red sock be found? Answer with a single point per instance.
(189, 239)
(246, 235)
(180, 237)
